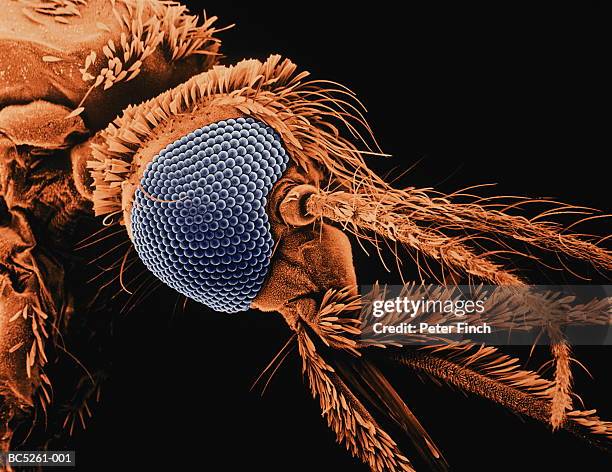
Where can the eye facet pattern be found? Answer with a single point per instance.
(199, 221)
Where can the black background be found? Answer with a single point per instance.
(504, 95)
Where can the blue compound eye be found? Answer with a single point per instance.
(199, 221)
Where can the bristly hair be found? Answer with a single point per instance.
(59, 10)
(469, 367)
(143, 26)
(485, 372)
(419, 220)
(272, 91)
(347, 416)
(519, 309)
(307, 114)
(335, 322)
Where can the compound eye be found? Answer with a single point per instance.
(199, 220)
